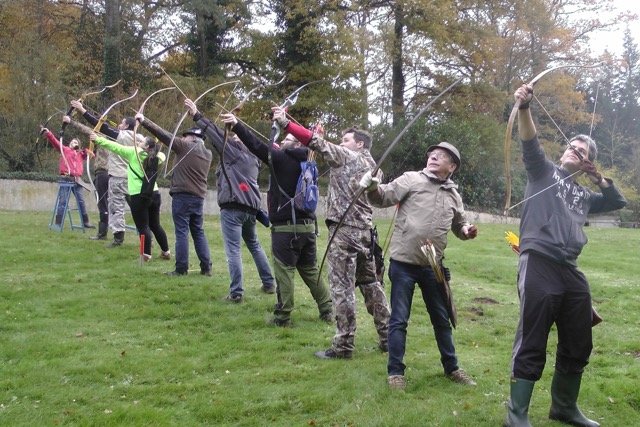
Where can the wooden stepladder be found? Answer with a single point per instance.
(59, 217)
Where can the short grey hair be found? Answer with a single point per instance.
(593, 148)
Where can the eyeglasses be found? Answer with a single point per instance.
(581, 152)
(440, 155)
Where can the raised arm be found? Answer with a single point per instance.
(105, 129)
(526, 127)
(84, 129)
(213, 132)
(247, 137)
(160, 133)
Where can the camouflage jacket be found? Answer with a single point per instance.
(347, 168)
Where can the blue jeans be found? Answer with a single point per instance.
(187, 211)
(238, 224)
(76, 189)
(403, 280)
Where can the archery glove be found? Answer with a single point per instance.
(368, 182)
(524, 105)
(592, 172)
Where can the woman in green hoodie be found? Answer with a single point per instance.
(144, 198)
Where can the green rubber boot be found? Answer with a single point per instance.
(564, 397)
(518, 405)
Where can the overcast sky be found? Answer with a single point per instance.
(612, 41)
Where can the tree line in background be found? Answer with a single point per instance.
(374, 64)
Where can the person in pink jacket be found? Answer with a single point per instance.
(71, 169)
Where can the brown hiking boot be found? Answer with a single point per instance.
(397, 382)
(461, 377)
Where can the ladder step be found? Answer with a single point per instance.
(62, 199)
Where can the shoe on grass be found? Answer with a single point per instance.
(280, 322)
(175, 273)
(461, 377)
(327, 317)
(236, 299)
(397, 382)
(332, 354)
(268, 290)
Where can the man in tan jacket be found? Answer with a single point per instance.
(428, 206)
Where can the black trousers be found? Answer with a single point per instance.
(146, 216)
(551, 293)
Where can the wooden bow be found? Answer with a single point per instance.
(64, 125)
(175, 131)
(44, 125)
(97, 127)
(135, 127)
(81, 99)
(509, 131)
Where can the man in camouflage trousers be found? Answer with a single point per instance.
(117, 167)
(350, 257)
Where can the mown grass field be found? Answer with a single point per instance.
(88, 337)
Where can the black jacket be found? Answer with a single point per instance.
(285, 170)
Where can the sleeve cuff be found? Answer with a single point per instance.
(301, 133)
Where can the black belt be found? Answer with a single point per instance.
(305, 221)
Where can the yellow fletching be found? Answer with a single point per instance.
(512, 238)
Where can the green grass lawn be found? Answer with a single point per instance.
(89, 337)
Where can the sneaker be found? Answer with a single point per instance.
(383, 347)
(175, 273)
(206, 273)
(279, 322)
(165, 255)
(236, 299)
(146, 257)
(332, 354)
(98, 237)
(268, 290)
(461, 377)
(327, 317)
(397, 382)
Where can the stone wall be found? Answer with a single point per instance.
(20, 195)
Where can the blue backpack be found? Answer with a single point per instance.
(307, 193)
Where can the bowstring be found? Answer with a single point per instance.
(593, 114)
